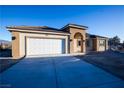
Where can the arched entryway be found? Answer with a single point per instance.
(78, 43)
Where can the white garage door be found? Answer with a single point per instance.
(36, 46)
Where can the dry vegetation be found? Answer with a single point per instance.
(110, 61)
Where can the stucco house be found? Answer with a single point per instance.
(43, 40)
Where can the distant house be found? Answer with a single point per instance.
(43, 40)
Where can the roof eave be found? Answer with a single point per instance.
(76, 26)
(36, 31)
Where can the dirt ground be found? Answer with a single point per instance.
(112, 62)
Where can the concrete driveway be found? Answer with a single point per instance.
(60, 72)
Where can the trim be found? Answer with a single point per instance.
(36, 31)
(43, 33)
(76, 26)
(42, 37)
(25, 46)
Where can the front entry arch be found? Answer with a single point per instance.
(78, 43)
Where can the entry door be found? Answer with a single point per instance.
(37, 46)
(77, 46)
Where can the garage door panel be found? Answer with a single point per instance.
(37, 46)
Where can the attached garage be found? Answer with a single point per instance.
(38, 41)
(44, 46)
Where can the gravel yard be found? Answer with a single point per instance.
(112, 62)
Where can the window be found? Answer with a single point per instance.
(78, 42)
(101, 42)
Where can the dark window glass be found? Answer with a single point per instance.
(79, 43)
(102, 43)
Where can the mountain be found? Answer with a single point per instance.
(5, 42)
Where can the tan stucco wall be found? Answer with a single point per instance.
(95, 44)
(97, 47)
(16, 45)
(23, 37)
(102, 48)
(73, 31)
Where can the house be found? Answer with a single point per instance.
(43, 40)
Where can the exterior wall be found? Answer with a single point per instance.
(89, 47)
(75, 46)
(19, 43)
(23, 40)
(15, 45)
(104, 47)
(73, 31)
(95, 44)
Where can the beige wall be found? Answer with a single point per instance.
(73, 31)
(15, 45)
(19, 44)
(102, 48)
(96, 44)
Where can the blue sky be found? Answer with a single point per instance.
(101, 20)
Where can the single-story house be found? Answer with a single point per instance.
(43, 40)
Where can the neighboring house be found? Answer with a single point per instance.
(43, 40)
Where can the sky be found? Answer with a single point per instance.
(102, 20)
